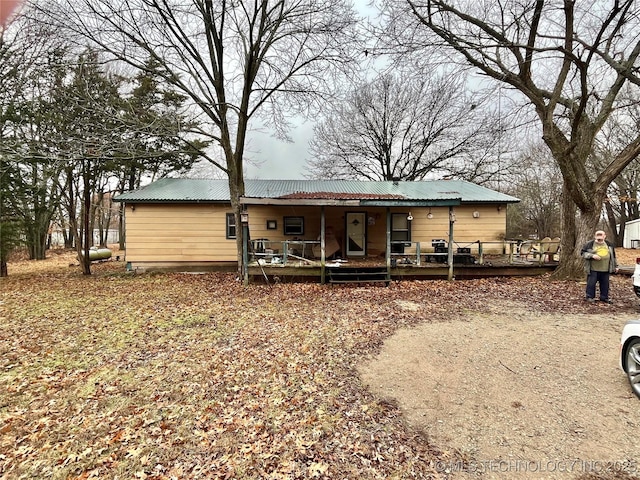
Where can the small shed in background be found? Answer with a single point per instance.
(632, 234)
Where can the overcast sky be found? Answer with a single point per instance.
(277, 159)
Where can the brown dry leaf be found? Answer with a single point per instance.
(195, 376)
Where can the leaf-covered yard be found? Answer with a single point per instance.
(195, 376)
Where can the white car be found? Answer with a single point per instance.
(630, 342)
(630, 354)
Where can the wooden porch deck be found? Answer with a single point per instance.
(406, 268)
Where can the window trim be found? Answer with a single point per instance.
(407, 230)
(229, 225)
(286, 228)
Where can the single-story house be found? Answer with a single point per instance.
(178, 223)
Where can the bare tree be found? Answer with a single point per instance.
(403, 126)
(621, 204)
(569, 60)
(538, 184)
(231, 59)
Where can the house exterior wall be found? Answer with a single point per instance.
(489, 226)
(260, 214)
(165, 233)
(195, 234)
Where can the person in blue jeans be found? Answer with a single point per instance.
(600, 262)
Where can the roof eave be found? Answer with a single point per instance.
(450, 202)
(491, 202)
(350, 202)
(172, 201)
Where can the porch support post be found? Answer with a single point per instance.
(322, 245)
(388, 249)
(245, 253)
(452, 219)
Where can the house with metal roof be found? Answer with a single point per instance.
(313, 225)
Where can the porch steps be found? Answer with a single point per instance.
(358, 275)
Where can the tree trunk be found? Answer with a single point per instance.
(616, 236)
(81, 232)
(121, 229)
(68, 238)
(37, 240)
(71, 214)
(576, 231)
(86, 212)
(4, 272)
(105, 221)
(41, 249)
(121, 220)
(236, 188)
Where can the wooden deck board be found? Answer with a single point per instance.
(493, 267)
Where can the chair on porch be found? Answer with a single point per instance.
(548, 248)
(538, 249)
(552, 249)
(526, 249)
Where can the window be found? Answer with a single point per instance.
(400, 228)
(293, 225)
(231, 225)
(400, 231)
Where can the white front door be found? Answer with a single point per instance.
(356, 234)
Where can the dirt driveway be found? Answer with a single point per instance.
(520, 396)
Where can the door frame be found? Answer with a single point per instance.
(346, 233)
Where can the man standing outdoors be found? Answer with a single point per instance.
(600, 262)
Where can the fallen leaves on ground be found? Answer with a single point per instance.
(163, 376)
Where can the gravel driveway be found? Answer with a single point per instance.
(522, 395)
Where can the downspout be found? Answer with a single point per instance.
(452, 219)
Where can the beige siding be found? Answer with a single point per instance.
(178, 233)
(159, 233)
(259, 214)
(488, 226)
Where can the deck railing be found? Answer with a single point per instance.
(474, 252)
(267, 252)
(282, 252)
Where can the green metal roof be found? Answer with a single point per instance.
(171, 190)
(187, 190)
